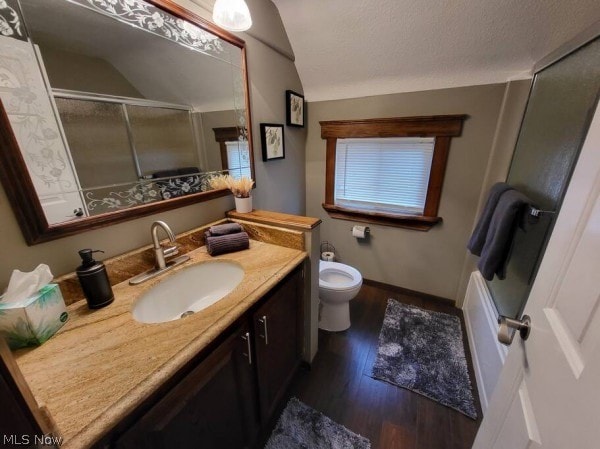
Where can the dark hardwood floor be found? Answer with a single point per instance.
(338, 384)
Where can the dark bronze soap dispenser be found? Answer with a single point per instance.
(94, 280)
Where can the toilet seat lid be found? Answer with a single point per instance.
(338, 276)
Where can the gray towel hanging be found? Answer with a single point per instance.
(499, 240)
(477, 240)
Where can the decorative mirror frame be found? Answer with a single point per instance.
(20, 189)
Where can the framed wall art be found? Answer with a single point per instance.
(294, 107)
(271, 136)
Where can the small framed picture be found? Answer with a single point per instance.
(271, 136)
(294, 107)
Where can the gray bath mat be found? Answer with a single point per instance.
(302, 427)
(423, 351)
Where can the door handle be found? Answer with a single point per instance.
(263, 321)
(77, 213)
(505, 335)
(246, 337)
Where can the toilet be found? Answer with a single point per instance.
(338, 284)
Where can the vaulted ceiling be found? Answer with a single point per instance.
(355, 48)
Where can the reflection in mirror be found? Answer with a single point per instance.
(140, 145)
(119, 104)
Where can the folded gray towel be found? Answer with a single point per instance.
(224, 229)
(221, 244)
(500, 236)
(480, 232)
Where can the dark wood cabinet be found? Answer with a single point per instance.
(22, 422)
(214, 407)
(277, 333)
(223, 401)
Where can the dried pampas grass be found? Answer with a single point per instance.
(219, 182)
(241, 187)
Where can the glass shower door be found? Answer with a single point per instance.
(561, 103)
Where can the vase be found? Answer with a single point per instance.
(243, 205)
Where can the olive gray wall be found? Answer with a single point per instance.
(211, 148)
(280, 184)
(67, 70)
(507, 131)
(430, 262)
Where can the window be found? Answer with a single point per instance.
(238, 159)
(235, 155)
(388, 171)
(387, 175)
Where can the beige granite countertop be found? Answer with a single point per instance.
(102, 364)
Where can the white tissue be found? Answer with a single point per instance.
(23, 285)
(328, 256)
(360, 232)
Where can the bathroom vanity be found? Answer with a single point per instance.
(226, 397)
(211, 379)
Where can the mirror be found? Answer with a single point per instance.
(114, 110)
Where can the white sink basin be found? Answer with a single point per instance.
(189, 290)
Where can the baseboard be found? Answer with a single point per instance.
(481, 324)
(406, 291)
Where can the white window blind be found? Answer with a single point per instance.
(389, 175)
(238, 159)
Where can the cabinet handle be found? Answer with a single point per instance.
(263, 321)
(246, 337)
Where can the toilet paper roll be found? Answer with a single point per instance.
(360, 232)
(328, 256)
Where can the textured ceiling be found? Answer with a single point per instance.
(355, 48)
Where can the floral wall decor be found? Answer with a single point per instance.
(271, 136)
(294, 107)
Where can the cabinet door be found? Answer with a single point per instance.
(20, 417)
(278, 336)
(214, 407)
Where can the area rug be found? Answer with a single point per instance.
(302, 427)
(423, 351)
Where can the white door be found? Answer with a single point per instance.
(30, 112)
(548, 395)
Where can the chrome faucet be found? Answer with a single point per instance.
(161, 253)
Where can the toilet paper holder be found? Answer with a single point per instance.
(329, 249)
(366, 231)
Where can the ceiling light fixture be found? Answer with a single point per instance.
(233, 15)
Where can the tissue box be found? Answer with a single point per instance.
(34, 320)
